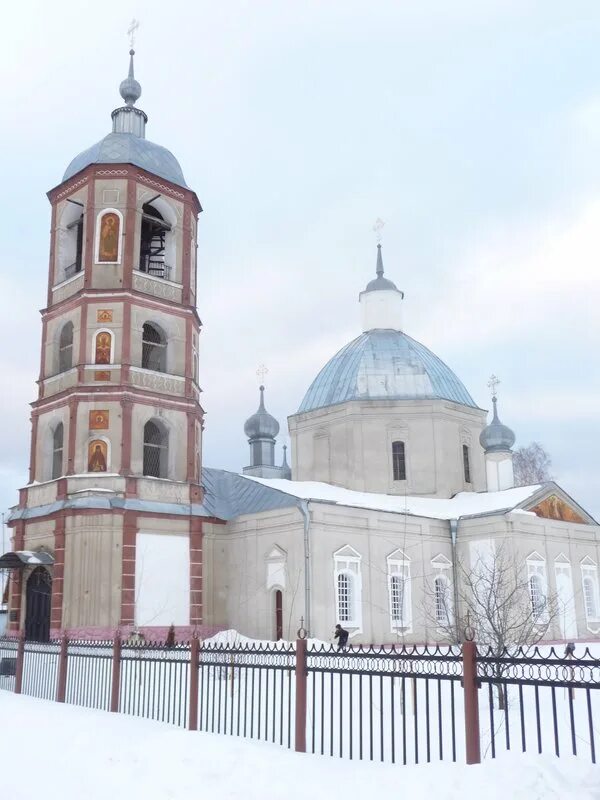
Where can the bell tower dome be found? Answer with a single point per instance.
(114, 488)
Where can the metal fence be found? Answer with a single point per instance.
(393, 703)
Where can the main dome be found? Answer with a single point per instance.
(384, 364)
(127, 148)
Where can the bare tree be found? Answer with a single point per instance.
(499, 604)
(531, 465)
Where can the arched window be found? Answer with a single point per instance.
(466, 463)
(398, 570)
(345, 598)
(154, 348)
(57, 451)
(536, 593)
(397, 598)
(399, 461)
(156, 450)
(443, 601)
(153, 243)
(65, 348)
(589, 596)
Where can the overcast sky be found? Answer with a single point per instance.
(472, 129)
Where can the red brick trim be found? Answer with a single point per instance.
(130, 223)
(33, 448)
(73, 405)
(196, 610)
(127, 407)
(58, 573)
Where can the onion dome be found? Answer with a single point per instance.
(496, 437)
(261, 425)
(127, 144)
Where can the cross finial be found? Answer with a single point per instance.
(493, 384)
(133, 26)
(377, 228)
(261, 372)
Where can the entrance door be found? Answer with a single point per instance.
(37, 614)
(278, 615)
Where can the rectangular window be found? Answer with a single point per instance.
(399, 461)
(466, 464)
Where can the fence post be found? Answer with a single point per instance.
(194, 669)
(63, 665)
(300, 695)
(472, 741)
(20, 662)
(116, 672)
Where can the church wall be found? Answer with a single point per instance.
(236, 556)
(43, 445)
(172, 210)
(350, 445)
(173, 327)
(62, 251)
(107, 194)
(374, 536)
(86, 434)
(553, 540)
(97, 321)
(176, 424)
(54, 327)
(93, 564)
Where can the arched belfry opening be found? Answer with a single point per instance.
(153, 243)
(37, 610)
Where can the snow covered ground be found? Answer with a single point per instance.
(56, 751)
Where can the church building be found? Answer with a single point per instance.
(395, 476)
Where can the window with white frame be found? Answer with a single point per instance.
(348, 587)
(399, 590)
(443, 606)
(589, 583)
(538, 585)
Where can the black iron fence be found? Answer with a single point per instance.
(394, 703)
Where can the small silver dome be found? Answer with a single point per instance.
(496, 437)
(379, 283)
(261, 425)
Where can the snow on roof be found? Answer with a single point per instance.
(463, 504)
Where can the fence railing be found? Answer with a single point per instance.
(395, 703)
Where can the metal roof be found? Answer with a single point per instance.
(127, 148)
(384, 364)
(25, 558)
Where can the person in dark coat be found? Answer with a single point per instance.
(342, 636)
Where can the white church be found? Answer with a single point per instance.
(396, 476)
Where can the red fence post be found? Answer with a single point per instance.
(116, 672)
(20, 662)
(63, 665)
(472, 741)
(194, 667)
(301, 695)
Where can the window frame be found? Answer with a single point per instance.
(162, 450)
(536, 566)
(466, 458)
(399, 460)
(589, 576)
(398, 570)
(347, 563)
(62, 348)
(55, 450)
(160, 347)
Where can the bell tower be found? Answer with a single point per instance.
(114, 495)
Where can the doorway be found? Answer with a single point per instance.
(278, 615)
(37, 609)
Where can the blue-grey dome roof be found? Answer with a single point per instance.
(127, 148)
(496, 437)
(384, 364)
